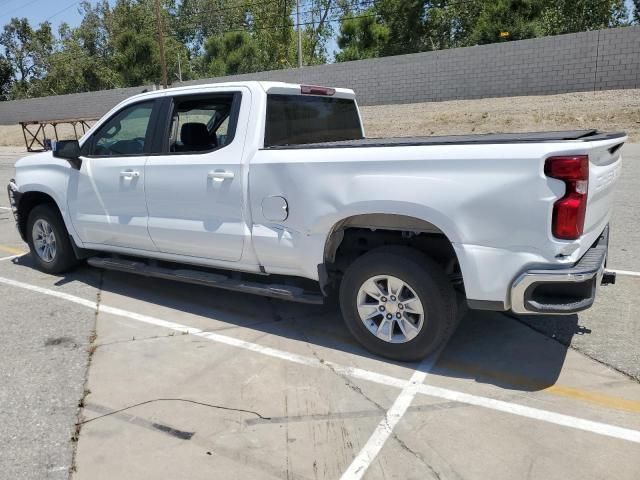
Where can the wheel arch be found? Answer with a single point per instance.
(32, 195)
(377, 221)
(385, 228)
(28, 201)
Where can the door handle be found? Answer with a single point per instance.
(129, 174)
(220, 175)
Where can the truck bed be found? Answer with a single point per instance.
(490, 138)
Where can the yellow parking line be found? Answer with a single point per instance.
(15, 251)
(616, 403)
(521, 381)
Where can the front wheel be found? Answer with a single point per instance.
(49, 241)
(398, 303)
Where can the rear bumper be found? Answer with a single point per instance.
(562, 291)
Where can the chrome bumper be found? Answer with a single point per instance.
(14, 201)
(14, 197)
(562, 291)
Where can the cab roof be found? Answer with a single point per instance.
(265, 86)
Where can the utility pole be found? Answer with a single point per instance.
(179, 69)
(299, 34)
(163, 60)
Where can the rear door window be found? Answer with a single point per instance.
(202, 123)
(300, 119)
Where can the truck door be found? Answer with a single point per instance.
(194, 189)
(106, 199)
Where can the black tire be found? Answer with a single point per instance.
(64, 258)
(429, 282)
(463, 307)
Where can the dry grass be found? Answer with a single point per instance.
(605, 110)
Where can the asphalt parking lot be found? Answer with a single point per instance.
(178, 381)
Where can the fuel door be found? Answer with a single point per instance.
(275, 208)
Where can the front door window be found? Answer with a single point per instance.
(126, 133)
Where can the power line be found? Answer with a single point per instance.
(240, 6)
(247, 6)
(61, 11)
(4, 1)
(10, 12)
(276, 27)
(188, 18)
(367, 4)
(336, 7)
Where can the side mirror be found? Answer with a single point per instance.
(69, 150)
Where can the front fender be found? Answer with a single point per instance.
(50, 178)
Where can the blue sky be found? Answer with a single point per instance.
(38, 11)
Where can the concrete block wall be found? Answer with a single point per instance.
(75, 105)
(586, 61)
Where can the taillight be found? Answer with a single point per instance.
(317, 90)
(570, 210)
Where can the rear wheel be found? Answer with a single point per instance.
(398, 303)
(49, 241)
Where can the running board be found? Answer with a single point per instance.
(283, 292)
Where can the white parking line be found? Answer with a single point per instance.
(533, 413)
(625, 272)
(383, 431)
(11, 257)
(469, 399)
(5, 208)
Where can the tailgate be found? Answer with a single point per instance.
(605, 164)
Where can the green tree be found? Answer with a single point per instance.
(405, 20)
(448, 24)
(133, 41)
(566, 16)
(92, 33)
(73, 68)
(361, 35)
(231, 53)
(518, 19)
(82, 59)
(316, 31)
(27, 51)
(421, 25)
(392, 27)
(271, 26)
(261, 31)
(198, 20)
(636, 11)
(6, 78)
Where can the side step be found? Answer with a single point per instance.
(283, 292)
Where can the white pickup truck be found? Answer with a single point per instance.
(272, 188)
